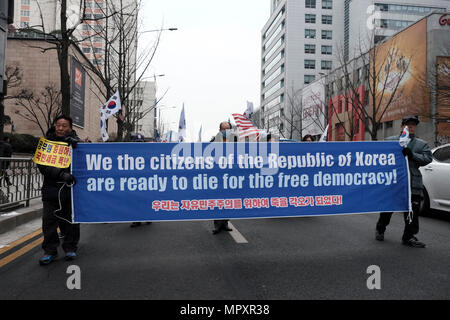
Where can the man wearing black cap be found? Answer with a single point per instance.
(419, 154)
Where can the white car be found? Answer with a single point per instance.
(436, 180)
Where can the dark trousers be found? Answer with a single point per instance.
(412, 228)
(50, 223)
(220, 224)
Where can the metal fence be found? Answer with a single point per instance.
(20, 181)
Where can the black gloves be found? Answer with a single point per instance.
(71, 141)
(67, 178)
(407, 152)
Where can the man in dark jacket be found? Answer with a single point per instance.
(224, 135)
(419, 154)
(56, 198)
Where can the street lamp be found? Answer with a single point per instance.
(155, 30)
(160, 124)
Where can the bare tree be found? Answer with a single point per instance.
(437, 83)
(122, 68)
(291, 114)
(384, 68)
(41, 108)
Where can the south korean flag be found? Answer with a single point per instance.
(112, 106)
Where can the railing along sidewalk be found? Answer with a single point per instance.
(20, 181)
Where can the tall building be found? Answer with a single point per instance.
(144, 106)
(90, 35)
(299, 42)
(371, 21)
(303, 40)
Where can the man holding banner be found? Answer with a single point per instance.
(56, 190)
(224, 135)
(419, 154)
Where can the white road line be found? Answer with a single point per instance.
(237, 236)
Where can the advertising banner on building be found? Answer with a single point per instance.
(77, 92)
(126, 182)
(443, 99)
(313, 109)
(400, 71)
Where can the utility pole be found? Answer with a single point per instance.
(6, 17)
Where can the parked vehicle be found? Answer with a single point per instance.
(436, 180)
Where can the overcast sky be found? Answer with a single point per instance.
(211, 64)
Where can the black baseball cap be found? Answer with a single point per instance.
(410, 118)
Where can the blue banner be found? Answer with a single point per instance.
(125, 182)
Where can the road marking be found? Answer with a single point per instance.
(20, 252)
(237, 236)
(11, 245)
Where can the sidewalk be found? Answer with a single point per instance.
(13, 219)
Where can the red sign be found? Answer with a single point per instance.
(78, 77)
(443, 21)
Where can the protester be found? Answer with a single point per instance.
(137, 138)
(224, 135)
(56, 198)
(7, 153)
(308, 138)
(419, 154)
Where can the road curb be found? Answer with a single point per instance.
(13, 219)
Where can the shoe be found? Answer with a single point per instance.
(216, 231)
(413, 242)
(71, 255)
(379, 236)
(47, 259)
(227, 229)
(135, 224)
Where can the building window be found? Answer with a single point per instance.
(25, 2)
(310, 3)
(309, 78)
(327, 49)
(310, 18)
(310, 33)
(97, 50)
(326, 65)
(87, 50)
(25, 13)
(389, 124)
(327, 34)
(392, 24)
(327, 4)
(310, 48)
(24, 24)
(310, 64)
(327, 19)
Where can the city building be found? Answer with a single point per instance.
(299, 42)
(144, 108)
(413, 78)
(304, 40)
(371, 21)
(40, 80)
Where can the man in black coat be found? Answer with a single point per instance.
(224, 135)
(419, 154)
(56, 198)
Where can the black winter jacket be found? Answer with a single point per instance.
(52, 180)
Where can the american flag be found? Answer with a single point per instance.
(246, 127)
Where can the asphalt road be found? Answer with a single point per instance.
(289, 259)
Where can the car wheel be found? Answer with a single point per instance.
(425, 204)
